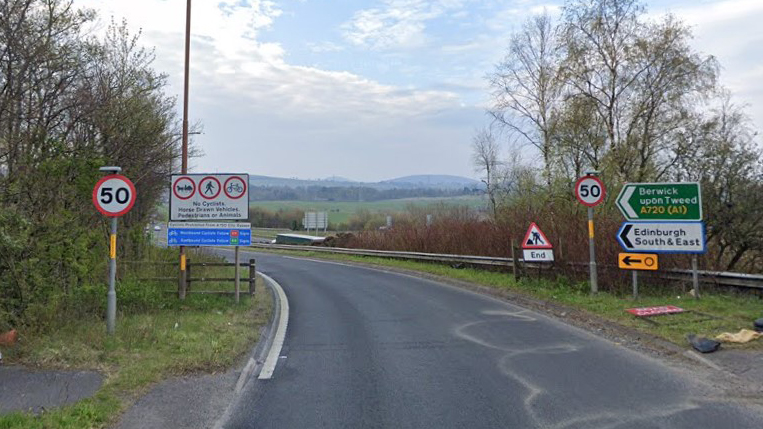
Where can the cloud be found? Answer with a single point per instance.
(398, 24)
(322, 47)
(244, 90)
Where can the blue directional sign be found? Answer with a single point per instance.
(209, 234)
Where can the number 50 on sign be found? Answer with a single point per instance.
(590, 191)
(114, 195)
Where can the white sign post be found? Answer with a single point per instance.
(113, 195)
(209, 197)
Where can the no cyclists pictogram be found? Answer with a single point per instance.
(234, 187)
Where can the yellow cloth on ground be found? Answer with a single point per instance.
(743, 336)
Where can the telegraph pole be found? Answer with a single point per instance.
(184, 168)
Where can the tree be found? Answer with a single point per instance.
(485, 155)
(69, 104)
(642, 79)
(725, 159)
(527, 86)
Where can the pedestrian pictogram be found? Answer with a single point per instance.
(535, 239)
(209, 187)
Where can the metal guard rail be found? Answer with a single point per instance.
(719, 278)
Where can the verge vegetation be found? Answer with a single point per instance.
(157, 336)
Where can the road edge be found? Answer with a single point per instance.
(267, 352)
(266, 372)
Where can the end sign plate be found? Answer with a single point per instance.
(661, 201)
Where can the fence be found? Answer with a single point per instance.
(190, 271)
(715, 278)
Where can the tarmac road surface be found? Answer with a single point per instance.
(367, 348)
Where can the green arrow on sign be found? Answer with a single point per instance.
(661, 201)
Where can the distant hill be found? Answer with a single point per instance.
(434, 181)
(445, 182)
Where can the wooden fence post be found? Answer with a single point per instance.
(188, 275)
(515, 261)
(252, 272)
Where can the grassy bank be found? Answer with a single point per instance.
(157, 336)
(715, 313)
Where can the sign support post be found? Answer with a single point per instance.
(592, 253)
(635, 284)
(113, 196)
(237, 270)
(111, 295)
(590, 191)
(695, 276)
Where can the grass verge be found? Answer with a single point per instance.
(726, 312)
(157, 337)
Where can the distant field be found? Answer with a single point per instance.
(340, 211)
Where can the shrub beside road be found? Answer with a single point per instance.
(157, 336)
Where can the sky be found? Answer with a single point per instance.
(372, 89)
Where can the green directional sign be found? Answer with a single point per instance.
(661, 201)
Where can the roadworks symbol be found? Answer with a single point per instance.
(535, 239)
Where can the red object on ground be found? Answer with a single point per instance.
(9, 338)
(654, 311)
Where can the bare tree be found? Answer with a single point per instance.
(485, 156)
(527, 86)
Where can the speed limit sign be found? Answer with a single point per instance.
(114, 195)
(590, 190)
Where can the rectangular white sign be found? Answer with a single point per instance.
(315, 220)
(538, 255)
(209, 197)
(662, 237)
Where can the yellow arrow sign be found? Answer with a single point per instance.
(637, 261)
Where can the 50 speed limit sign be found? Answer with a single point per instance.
(590, 191)
(114, 195)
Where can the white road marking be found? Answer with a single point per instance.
(283, 320)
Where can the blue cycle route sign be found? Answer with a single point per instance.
(209, 234)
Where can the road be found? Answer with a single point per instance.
(372, 349)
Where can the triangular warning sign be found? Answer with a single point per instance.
(535, 239)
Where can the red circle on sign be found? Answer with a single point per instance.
(126, 181)
(193, 188)
(599, 199)
(202, 186)
(225, 188)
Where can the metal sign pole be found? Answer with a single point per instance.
(111, 296)
(237, 271)
(695, 276)
(592, 251)
(635, 284)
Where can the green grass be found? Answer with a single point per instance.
(731, 311)
(340, 211)
(204, 333)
